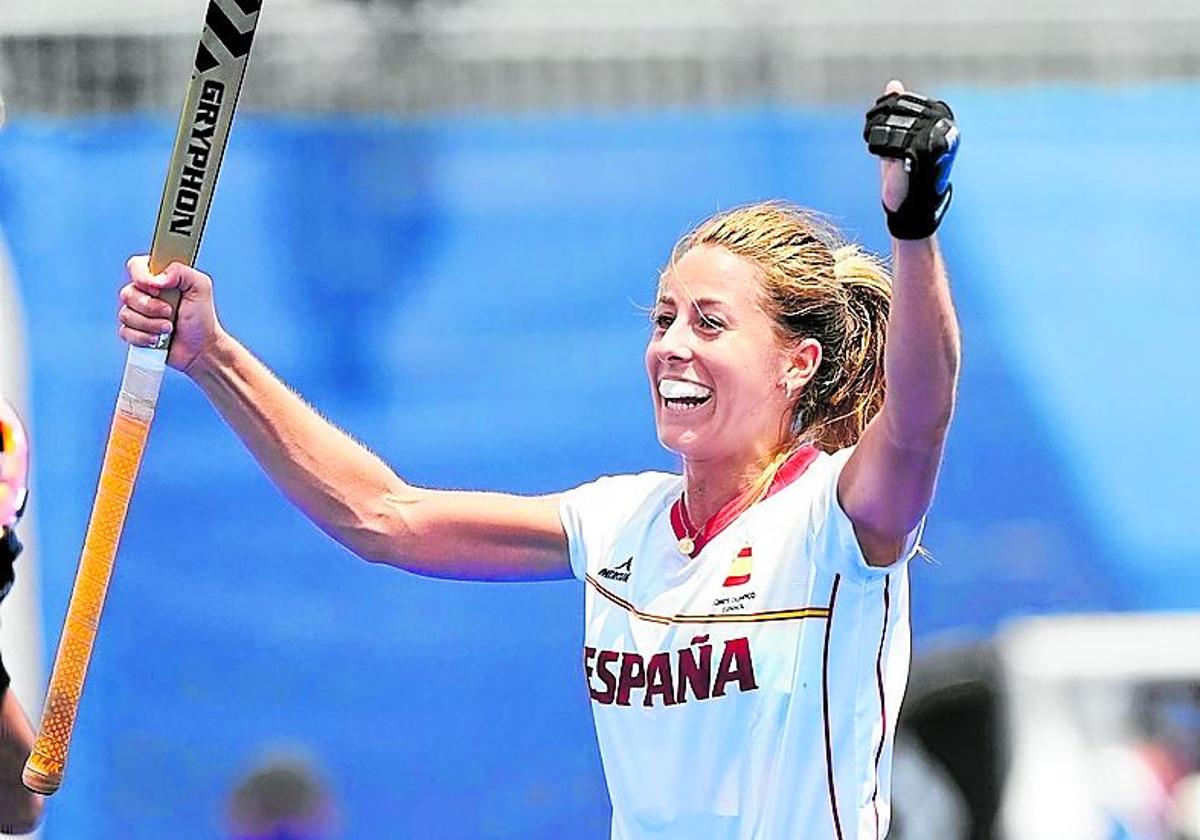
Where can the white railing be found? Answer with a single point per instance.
(514, 55)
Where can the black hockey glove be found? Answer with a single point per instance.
(10, 547)
(921, 132)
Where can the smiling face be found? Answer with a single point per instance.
(723, 381)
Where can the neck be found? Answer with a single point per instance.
(710, 485)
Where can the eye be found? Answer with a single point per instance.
(662, 320)
(709, 324)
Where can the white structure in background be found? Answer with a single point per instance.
(421, 56)
(1102, 714)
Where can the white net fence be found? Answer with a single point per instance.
(517, 55)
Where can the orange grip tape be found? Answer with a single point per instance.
(126, 443)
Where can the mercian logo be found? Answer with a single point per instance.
(618, 573)
(196, 158)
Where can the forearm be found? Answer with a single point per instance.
(335, 481)
(20, 809)
(888, 483)
(922, 355)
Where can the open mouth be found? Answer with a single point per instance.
(681, 396)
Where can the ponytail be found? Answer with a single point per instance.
(851, 391)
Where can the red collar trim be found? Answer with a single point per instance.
(791, 470)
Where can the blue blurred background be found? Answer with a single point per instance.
(465, 293)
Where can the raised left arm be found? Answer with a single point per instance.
(888, 482)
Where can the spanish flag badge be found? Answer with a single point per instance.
(739, 569)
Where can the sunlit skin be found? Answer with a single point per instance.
(884, 488)
(710, 331)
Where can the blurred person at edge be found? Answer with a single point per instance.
(746, 623)
(20, 809)
(1149, 780)
(1185, 816)
(282, 799)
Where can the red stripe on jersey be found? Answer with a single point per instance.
(791, 470)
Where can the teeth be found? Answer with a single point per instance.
(675, 389)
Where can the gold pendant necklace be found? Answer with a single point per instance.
(687, 543)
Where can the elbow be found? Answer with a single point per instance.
(37, 808)
(378, 546)
(377, 554)
(385, 532)
(403, 527)
(24, 816)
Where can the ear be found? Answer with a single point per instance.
(803, 361)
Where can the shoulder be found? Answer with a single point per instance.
(799, 503)
(829, 536)
(817, 485)
(593, 515)
(618, 496)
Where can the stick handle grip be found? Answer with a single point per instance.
(122, 457)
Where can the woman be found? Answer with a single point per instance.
(746, 632)
(20, 809)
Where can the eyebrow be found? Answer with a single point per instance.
(696, 302)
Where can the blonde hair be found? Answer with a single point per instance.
(814, 284)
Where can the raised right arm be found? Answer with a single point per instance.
(348, 491)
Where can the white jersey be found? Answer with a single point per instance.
(751, 690)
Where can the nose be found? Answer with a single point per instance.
(674, 345)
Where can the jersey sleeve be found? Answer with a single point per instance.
(593, 514)
(832, 542)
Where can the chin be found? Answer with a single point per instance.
(685, 443)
